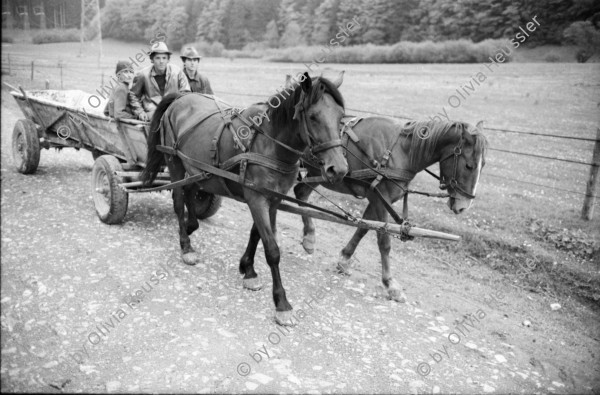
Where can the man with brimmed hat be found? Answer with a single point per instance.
(119, 106)
(154, 82)
(198, 83)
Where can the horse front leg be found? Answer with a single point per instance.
(250, 280)
(344, 264)
(177, 171)
(260, 208)
(384, 244)
(302, 192)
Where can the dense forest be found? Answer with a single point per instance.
(283, 23)
(255, 24)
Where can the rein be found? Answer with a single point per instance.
(397, 175)
(305, 135)
(453, 183)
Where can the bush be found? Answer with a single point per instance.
(454, 51)
(552, 57)
(56, 36)
(7, 39)
(211, 50)
(585, 36)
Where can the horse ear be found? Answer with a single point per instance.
(307, 83)
(340, 78)
(479, 125)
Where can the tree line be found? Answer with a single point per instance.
(284, 23)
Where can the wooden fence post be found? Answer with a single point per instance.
(61, 74)
(587, 212)
(32, 70)
(9, 60)
(47, 84)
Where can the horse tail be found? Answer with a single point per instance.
(155, 159)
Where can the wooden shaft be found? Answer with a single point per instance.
(139, 183)
(587, 212)
(136, 174)
(368, 224)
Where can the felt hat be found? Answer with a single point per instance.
(190, 53)
(159, 47)
(123, 65)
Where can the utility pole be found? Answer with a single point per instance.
(90, 16)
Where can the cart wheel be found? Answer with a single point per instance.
(207, 204)
(26, 146)
(110, 199)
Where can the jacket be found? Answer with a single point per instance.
(145, 93)
(199, 83)
(119, 105)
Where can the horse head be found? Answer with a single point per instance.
(317, 107)
(461, 165)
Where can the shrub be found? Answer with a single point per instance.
(211, 50)
(454, 51)
(585, 36)
(7, 39)
(56, 36)
(552, 57)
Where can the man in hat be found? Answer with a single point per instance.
(154, 82)
(198, 83)
(118, 105)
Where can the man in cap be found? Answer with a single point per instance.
(198, 83)
(154, 82)
(118, 105)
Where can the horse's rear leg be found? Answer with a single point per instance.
(344, 263)
(302, 192)
(251, 280)
(189, 192)
(177, 171)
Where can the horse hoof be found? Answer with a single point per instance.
(284, 318)
(344, 266)
(397, 295)
(253, 284)
(191, 258)
(308, 242)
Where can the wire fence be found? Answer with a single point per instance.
(25, 65)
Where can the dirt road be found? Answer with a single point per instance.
(69, 321)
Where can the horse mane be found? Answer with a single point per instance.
(283, 114)
(428, 134)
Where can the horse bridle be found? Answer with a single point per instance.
(453, 183)
(300, 111)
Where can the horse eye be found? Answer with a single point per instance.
(470, 166)
(313, 117)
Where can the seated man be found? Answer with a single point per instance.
(119, 106)
(154, 82)
(198, 83)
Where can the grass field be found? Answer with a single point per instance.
(500, 230)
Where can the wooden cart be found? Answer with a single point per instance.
(74, 119)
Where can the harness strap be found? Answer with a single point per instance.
(384, 201)
(180, 137)
(233, 177)
(327, 145)
(262, 160)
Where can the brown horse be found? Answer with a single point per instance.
(458, 147)
(259, 153)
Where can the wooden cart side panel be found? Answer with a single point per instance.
(136, 137)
